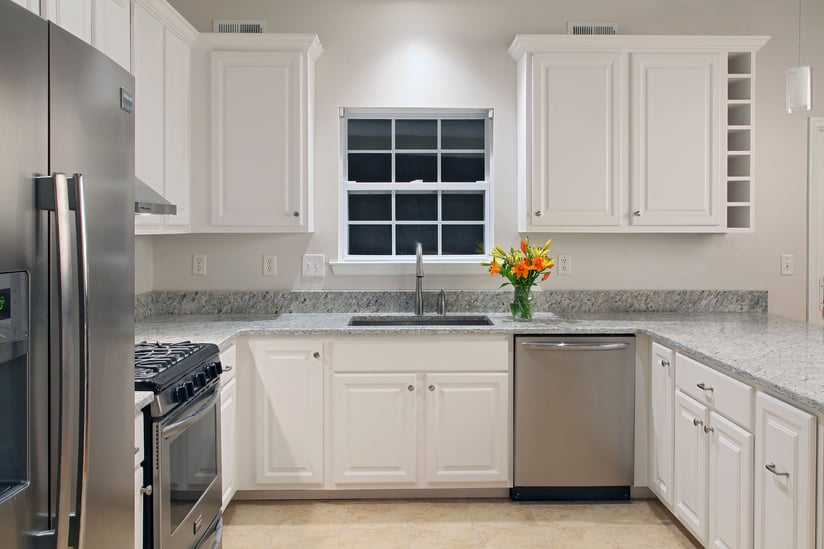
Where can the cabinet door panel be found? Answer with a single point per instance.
(661, 422)
(138, 508)
(374, 428)
(690, 478)
(176, 127)
(676, 139)
(228, 416)
(257, 174)
(784, 500)
(74, 16)
(288, 393)
(577, 164)
(730, 485)
(111, 30)
(466, 427)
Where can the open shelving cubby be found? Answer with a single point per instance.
(740, 140)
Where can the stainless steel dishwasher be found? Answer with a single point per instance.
(574, 417)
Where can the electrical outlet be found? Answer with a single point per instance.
(564, 265)
(270, 265)
(313, 265)
(787, 265)
(199, 264)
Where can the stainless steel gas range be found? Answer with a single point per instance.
(183, 444)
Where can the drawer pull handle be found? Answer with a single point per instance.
(704, 387)
(410, 388)
(697, 422)
(771, 468)
(665, 363)
(708, 429)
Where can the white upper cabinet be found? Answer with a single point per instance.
(74, 16)
(31, 5)
(624, 133)
(161, 66)
(260, 142)
(111, 30)
(676, 139)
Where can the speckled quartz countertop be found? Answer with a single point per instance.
(781, 355)
(142, 399)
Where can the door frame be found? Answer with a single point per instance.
(815, 220)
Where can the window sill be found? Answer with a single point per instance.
(378, 268)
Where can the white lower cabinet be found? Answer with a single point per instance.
(139, 456)
(662, 383)
(228, 417)
(690, 478)
(785, 475)
(730, 485)
(287, 412)
(374, 428)
(466, 427)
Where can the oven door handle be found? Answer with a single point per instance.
(177, 427)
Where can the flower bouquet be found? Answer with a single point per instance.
(521, 268)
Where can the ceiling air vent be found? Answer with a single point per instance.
(239, 26)
(592, 28)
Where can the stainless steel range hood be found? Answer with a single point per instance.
(148, 201)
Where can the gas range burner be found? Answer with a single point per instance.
(166, 367)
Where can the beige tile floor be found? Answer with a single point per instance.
(457, 524)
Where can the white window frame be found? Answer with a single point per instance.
(345, 187)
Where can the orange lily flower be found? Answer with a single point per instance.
(523, 246)
(539, 264)
(494, 268)
(546, 275)
(521, 270)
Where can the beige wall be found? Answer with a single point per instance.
(452, 53)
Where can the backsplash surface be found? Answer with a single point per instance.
(457, 301)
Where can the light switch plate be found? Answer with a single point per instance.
(313, 265)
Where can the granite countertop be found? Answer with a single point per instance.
(782, 355)
(142, 399)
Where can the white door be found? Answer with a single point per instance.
(690, 472)
(228, 425)
(815, 309)
(288, 393)
(662, 387)
(257, 147)
(579, 116)
(784, 475)
(466, 427)
(176, 127)
(677, 142)
(730, 485)
(374, 436)
(112, 30)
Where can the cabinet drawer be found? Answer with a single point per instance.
(138, 440)
(721, 392)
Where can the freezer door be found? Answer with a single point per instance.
(23, 377)
(92, 135)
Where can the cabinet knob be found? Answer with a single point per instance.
(771, 468)
(637, 213)
(410, 388)
(431, 387)
(704, 387)
(295, 214)
(665, 363)
(146, 490)
(316, 354)
(708, 429)
(697, 422)
(539, 213)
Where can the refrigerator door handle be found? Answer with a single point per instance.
(81, 247)
(52, 193)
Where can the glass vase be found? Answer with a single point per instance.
(521, 305)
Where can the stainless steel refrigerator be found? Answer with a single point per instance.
(66, 290)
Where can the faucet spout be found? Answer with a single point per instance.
(418, 279)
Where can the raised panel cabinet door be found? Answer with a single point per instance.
(74, 16)
(784, 475)
(138, 508)
(690, 465)
(467, 435)
(112, 30)
(374, 435)
(677, 140)
(228, 425)
(259, 123)
(730, 485)
(579, 109)
(662, 387)
(176, 110)
(288, 412)
(148, 73)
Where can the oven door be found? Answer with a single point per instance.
(187, 480)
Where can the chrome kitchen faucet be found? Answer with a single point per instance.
(418, 279)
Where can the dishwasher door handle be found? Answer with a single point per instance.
(536, 346)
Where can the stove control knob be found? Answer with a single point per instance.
(190, 389)
(180, 394)
(214, 369)
(200, 379)
(219, 367)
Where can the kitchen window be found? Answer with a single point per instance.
(415, 176)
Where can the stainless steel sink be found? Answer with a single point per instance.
(374, 320)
